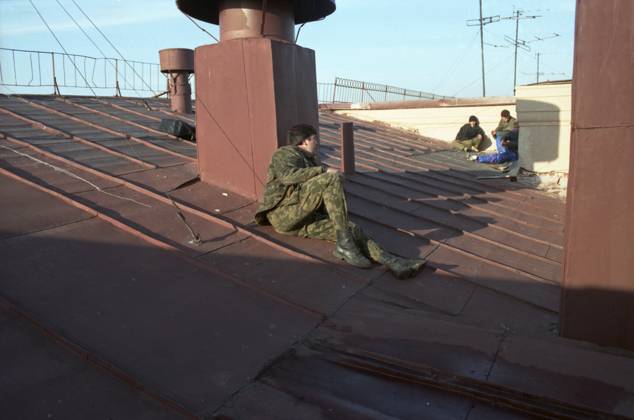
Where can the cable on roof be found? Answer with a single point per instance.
(112, 45)
(94, 43)
(200, 27)
(62, 46)
(64, 171)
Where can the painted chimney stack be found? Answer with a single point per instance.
(252, 86)
(178, 64)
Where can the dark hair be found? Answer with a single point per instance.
(298, 133)
(505, 113)
(474, 118)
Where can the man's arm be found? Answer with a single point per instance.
(461, 133)
(289, 170)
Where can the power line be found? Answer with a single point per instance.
(112, 45)
(454, 65)
(492, 68)
(95, 44)
(62, 46)
(200, 27)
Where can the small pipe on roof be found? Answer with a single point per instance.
(347, 148)
(178, 64)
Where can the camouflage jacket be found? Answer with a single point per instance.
(289, 167)
(506, 126)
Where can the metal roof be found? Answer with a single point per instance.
(109, 308)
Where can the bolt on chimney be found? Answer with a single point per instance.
(178, 64)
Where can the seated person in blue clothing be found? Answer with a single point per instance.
(505, 126)
(508, 143)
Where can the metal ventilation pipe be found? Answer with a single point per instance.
(178, 64)
(257, 19)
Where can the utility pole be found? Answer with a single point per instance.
(537, 68)
(484, 90)
(481, 22)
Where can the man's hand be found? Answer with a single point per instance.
(505, 142)
(332, 170)
(493, 133)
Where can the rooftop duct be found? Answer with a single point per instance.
(178, 64)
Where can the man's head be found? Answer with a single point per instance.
(303, 136)
(506, 114)
(473, 121)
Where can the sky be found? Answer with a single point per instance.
(415, 44)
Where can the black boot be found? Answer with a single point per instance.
(347, 250)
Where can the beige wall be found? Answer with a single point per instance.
(544, 115)
(543, 112)
(440, 123)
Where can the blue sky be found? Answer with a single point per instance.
(415, 44)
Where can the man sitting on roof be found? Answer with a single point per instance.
(470, 136)
(304, 198)
(505, 126)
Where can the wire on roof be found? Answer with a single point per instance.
(200, 27)
(74, 175)
(112, 45)
(95, 44)
(62, 46)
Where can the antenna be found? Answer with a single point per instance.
(517, 16)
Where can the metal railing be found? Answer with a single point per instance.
(38, 69)
(353, 91)
(48, 69)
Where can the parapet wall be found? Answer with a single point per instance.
(543, 111)
(436, 119)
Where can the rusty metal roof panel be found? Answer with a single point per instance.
(251, 322)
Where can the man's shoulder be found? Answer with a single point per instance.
(287, 151)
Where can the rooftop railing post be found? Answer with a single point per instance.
(117, 91)
(334, 91)
(55, 86)
(347, 149)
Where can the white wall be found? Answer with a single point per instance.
(544, 115)
(440, 123)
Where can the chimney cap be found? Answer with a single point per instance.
(304, 10)
(176, 60)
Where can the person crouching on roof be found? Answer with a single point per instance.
(304, 198)
(470, 136)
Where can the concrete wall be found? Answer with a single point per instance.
(440, 123)
(544, 115)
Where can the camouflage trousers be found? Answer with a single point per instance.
(467, 144)
(317, 209)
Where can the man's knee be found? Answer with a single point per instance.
(328, 179)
